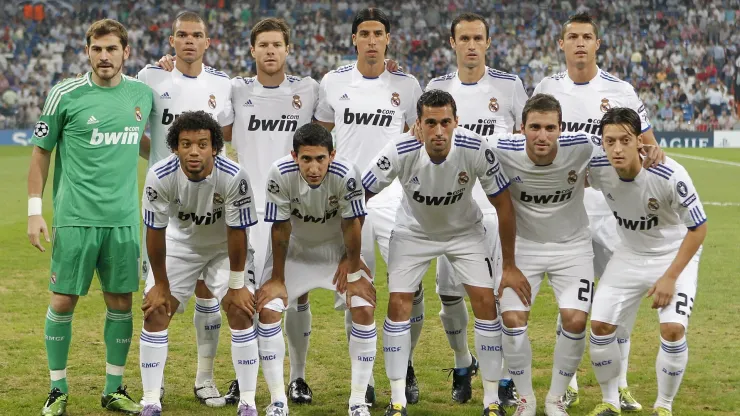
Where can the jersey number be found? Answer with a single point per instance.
(489, 262)
(687, 302)
(586, 293)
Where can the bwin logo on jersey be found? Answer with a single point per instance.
(558, 196)
(382, 118)
(484, 126)
(287, 122)
(130, 135)
(448, 199)
(644, 223)
(591, 126)
(310, 218)
(208, 219)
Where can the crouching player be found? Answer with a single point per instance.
(316, 205)
(661, 227)
(196, 208)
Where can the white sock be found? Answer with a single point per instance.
(348, 330)
(272, 356)
(362, 347)
(490, 351)
(606, 362)
(396, 350)
(417, 321)
(207, 322)
(670, 367)
(245, 356)
(518, 353)
(569, 350)
(298, 332)
(454, 317)
(152, 358)
(623, 339)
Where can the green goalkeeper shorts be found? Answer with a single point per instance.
(76, 252)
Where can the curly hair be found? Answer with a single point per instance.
(194, 121)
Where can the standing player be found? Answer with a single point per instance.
(489, 101)
(369, 106)
(196, 207)
(95, 122)
(316, 205)
(661, 229)
(585, 93)
(191, 86)
(432, 222)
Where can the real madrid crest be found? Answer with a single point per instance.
(462, 178)
(493, 105)
(605, 105)
(653, 204)
(395, 99)
(212, 102)
(217, 198)
(297, 104)
(572, 177)
(137, 114)
(333, 201)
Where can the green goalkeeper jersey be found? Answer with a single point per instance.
(96, 132)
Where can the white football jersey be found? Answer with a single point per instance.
(175, 92)
(548, 200)
(584, 104)
(197, 213)
(494, 104)
(265, 119)
(437, 197)
(654, 210)
(314, 213)
(367, 112)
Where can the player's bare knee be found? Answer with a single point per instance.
(118, 301)
(158, 320)
(602, 328)
(62, 303)
(515, 319)
(268, 316)
(238, 318)
(484, 306)
(202, 291)
(672, 331)
(303, 299)
(363, 315)
(449, 299)
(573, 320)
(399, 306)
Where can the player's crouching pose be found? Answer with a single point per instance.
(316, 205)
(661, 226)
(438, 217)
(196, 208)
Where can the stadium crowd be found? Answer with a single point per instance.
(681, 55)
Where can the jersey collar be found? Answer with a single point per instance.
(598, 74)
(177, 71)
(470, 84)
(283, 85)
(358, 77)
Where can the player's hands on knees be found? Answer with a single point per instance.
(158, 296)
(167, 62)
(239, 298)
(363, 288)
(514, 279)
(271, 289)
(36, 227)
(340, 276)
(654, 155)
(662, 292)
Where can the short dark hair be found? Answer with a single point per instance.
(580, 18)
(623, 116)
(188, 16)
(435, 98)
(469, 17)
(270, 24)
(542, 103)
(312, 134)
(371, 14)
(194, 121)
(107, 27)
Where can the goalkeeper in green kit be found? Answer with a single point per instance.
(96, 123)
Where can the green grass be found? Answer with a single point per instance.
(710, 386)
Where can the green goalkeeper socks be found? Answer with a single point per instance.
(58, 335)
(119, 328)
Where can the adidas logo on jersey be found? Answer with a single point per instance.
(207, 219)
(644, 223)
(558, 196)
(310, 218)
(517, 179)
(414, 181)
(92, 120)
(609, 197)
(165, 96)
(591, 126)
(448, 199)
(287, 122)
(130, 135)
(248, 104)
(344, 97)
(382, 118)
(484, 127)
